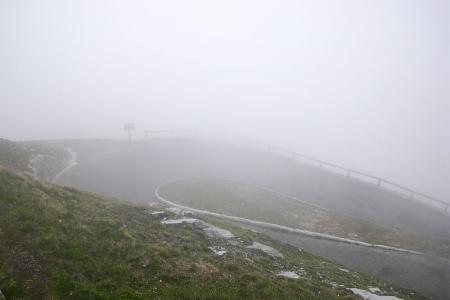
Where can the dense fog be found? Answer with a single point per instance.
(365, 84)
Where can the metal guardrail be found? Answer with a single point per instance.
(349, 173)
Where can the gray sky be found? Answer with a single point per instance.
(363, 83)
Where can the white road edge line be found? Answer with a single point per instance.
(72, 163)
(280, 227)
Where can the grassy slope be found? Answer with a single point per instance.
(14, 156)
(62, 243)
(232, 198)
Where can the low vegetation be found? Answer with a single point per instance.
(61, 243)
(14, 156)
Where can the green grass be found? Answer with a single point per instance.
(14, 156)
(60, 243)
(237, 199)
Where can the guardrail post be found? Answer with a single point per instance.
(379, 182)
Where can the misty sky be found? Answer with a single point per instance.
(363, 83)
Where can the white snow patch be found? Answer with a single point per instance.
(157, 212)
(267, 249)
(179, 221)
(216, 232)
(344, 270)
(218, 250)
(176, 210)
(289, 274)
(210, 230)
(370, 296)
(374, 289)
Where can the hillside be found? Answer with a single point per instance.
(58, 242)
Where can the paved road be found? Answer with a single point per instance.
(425, 274)
(428, 275)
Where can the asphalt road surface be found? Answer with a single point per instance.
(426, 274)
